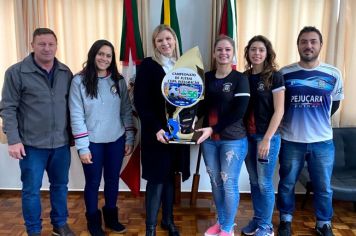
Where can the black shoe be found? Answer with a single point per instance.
(151, 230)
(94, 224)
(111, 219)
(326, 230)
(284, 228)
(63, 231)
(171, 227)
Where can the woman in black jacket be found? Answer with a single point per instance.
(160, 160)
(224, 142)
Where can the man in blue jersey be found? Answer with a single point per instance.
(313, 93)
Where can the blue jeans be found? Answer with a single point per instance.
(56, 162)
(107, 156)
(320, 159)
(261, 179)
(223, 160)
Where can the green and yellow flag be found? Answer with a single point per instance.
(169, 17)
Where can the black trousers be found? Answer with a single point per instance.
(157, 194)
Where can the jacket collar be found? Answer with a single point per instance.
(28, 65)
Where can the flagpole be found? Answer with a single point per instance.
(196, 180)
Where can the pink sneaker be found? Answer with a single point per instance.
(224, 233)
(213, 230)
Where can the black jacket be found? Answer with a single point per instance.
(159, 161)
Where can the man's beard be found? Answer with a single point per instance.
(308, 58)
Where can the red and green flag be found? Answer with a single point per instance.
(131, 54)
(228, 22)
(169, 17)
(130, 37)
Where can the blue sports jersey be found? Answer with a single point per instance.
(308, 100)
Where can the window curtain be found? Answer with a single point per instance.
(77, 25)
(216, 16)
(344, 58)
(7, 38)
(280, 21)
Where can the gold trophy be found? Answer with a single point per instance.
(183, 88)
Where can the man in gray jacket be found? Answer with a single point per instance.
(35, 115)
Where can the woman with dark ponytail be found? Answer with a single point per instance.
(102, 125)
(263, 117)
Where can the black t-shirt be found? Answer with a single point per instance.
(261, 108)
(225, 104)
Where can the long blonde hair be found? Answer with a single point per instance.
(156, 54)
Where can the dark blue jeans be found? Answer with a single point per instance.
(56, 162)
(261, 179)
(107, 157)
(320, 159)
